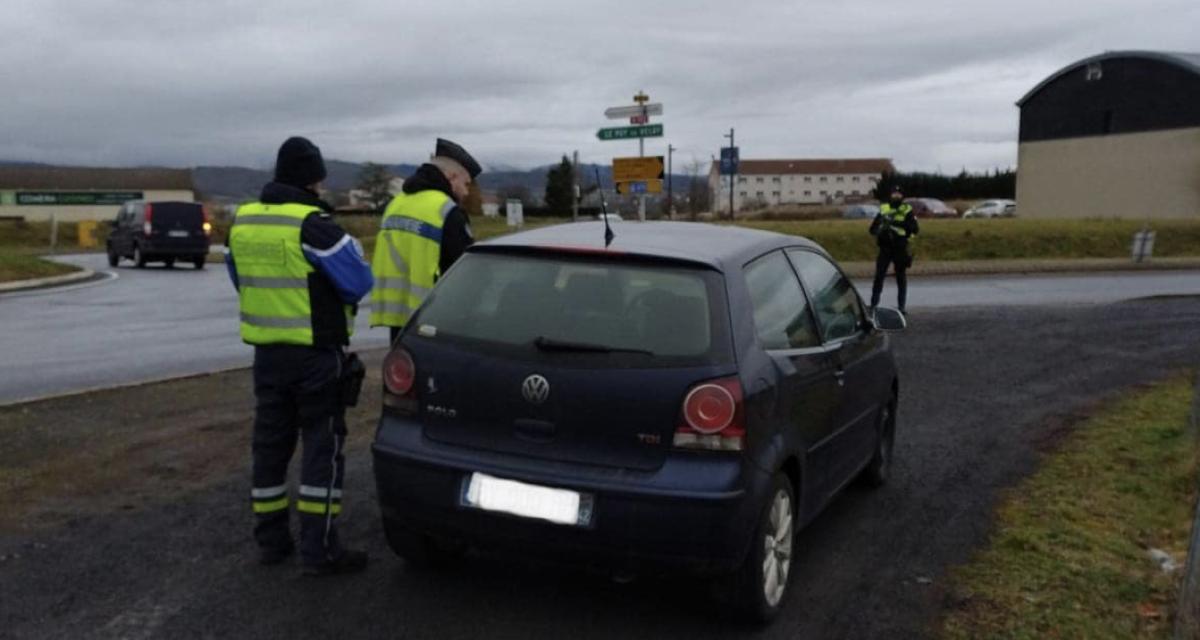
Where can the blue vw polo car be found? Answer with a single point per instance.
(685, 398)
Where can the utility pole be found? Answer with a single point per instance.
(732, 174)
(575, 186)
(670, 191)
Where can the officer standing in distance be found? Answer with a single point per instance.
(424, 230)
(893, 228)
(299, 278)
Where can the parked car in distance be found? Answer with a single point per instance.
(860, 211)
(991, 209)
(688, 398)
(159, 232)
(931, 208)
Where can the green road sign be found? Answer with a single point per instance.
(630, 133)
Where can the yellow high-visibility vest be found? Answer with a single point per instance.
(272, 273)
(407, 256)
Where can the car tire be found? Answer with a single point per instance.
(199, 262)
(139, 259)
(759, 587)
(419, 551)
(113, 258)
(877, 471)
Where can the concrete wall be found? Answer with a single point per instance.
(83, 212)
(790, 189)
(1138, 175)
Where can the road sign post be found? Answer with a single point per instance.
(639, 117)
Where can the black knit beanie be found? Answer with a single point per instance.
(299, 163)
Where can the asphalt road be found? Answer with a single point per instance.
(155, 323)
(146, 324)
(983, 391)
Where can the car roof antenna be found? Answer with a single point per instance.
(609, 236)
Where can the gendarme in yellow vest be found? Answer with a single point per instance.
(407, 255)
(272, 272)
(894, 218)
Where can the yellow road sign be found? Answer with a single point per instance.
(639, 186)
(638, 169)
(89, 236)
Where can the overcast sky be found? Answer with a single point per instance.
(930, 84)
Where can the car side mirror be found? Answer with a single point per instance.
(888, 319)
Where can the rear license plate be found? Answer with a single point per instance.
(178, 234)
(560, 506)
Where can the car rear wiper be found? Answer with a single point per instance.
(550, 344)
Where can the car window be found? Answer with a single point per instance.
(781, 315)
(833, 297)
(509, 301)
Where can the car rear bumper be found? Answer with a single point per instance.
(185, 248)
(640, 519)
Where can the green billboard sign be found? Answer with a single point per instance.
(76, 198)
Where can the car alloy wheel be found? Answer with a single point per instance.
(877, 471)
(777, 548)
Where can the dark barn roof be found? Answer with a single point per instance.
(1118, 92)
(1187, 61)
(94, 178)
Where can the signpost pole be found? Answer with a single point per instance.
(642, 197)
(732, 174)
(641, 99)
(670, 190)
(575, 186)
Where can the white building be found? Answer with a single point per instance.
(763, 183)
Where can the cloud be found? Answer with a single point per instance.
(926, 82)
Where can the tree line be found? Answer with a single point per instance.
(997, 183)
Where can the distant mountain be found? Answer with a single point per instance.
(237, 184)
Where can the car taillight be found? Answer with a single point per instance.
(146, 228)
(713, 418)
(207, 224)
(399, 380)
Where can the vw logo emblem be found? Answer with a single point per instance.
(536, 389)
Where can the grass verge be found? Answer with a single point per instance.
(1001, 239)
(847, 240)
(1069, 553)
(18, 266)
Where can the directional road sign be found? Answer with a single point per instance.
(620, 113)
(638, 169)
(729, 160)
(630, 133)
(640, 186)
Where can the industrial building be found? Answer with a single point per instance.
(85, 193)
(1115, 135)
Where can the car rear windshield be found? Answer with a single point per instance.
(177, 214)
(638, 314)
